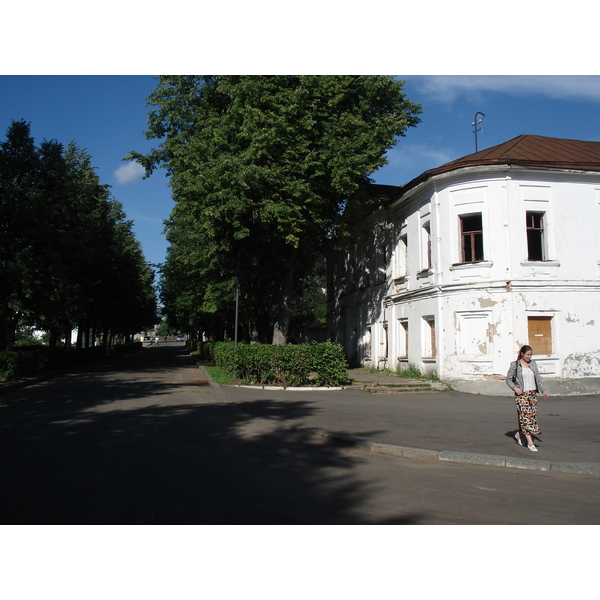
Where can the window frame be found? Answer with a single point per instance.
(402, 255)
(548, 343)
(403, 336)
(472, 238)
(426, 259)
(539, 231)
(429, 343)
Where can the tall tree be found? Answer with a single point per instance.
(19, 176)
(68, 256)
(264, 165)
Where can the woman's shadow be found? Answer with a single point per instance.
(513, 432)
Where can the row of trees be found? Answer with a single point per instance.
(263, 168)
(68, 256)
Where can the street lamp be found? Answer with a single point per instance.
(223, 259)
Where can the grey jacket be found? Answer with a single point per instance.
(514, 377)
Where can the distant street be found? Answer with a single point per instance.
(143, 439)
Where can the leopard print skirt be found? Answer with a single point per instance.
(527, 408)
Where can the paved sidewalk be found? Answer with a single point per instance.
(446, 425)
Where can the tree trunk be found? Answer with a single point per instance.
(280, 330)
(105, 342)
(3, 335)
(79, 343)
(68, 336)
(53, 337)
(8, 329)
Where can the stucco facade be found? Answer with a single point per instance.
(457, 270)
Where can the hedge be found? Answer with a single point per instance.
(317, 364)
(204, 350)
(24, 362)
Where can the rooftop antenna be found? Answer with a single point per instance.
(475, 124)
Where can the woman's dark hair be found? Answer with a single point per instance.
(523, 351)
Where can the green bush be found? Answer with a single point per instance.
(334, 367)
(203, 351)
(22, 362)
(9, 362)
(287, 365)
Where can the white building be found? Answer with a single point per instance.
(456, 270)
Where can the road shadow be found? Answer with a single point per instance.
(97, 450)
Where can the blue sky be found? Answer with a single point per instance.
(443, 41)
(107, 116)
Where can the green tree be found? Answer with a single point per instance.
(264, 165)
(114, 284)
(164, 330)
(19, 175)
(59, 245)
(68, 256)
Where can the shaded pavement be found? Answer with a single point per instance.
(148, 439)
(144, 439)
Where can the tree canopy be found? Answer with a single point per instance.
(68, 256)
(263, 166)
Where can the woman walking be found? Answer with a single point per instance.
(524, 379)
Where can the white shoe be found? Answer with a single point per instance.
(518, 438)
(532, 448)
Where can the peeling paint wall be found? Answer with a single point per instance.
(582, 365)
(481, 312)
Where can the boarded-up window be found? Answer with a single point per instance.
(426, 247)
(473, 333)
(367, 343)
(429, 337)
(540, 334)
(402, 256)
(384, 342)
(403, 338)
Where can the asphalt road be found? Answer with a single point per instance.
(144, 439)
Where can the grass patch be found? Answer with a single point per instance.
(409, 372)
(431, 377)
(219, 376)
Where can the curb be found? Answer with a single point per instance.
(461, 457)
(589, 469)
(289, 389)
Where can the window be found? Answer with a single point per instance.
(540, 334)
(402, 257)
(429, 349)
(473, 333)
(403, 339)
(367, 343)
(535, 236)
(426, 247)
(471, 234)
(384, 343)
(381, 264)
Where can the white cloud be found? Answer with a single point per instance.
(129, 172)
(448, 87)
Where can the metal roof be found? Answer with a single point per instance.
(526, 150)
